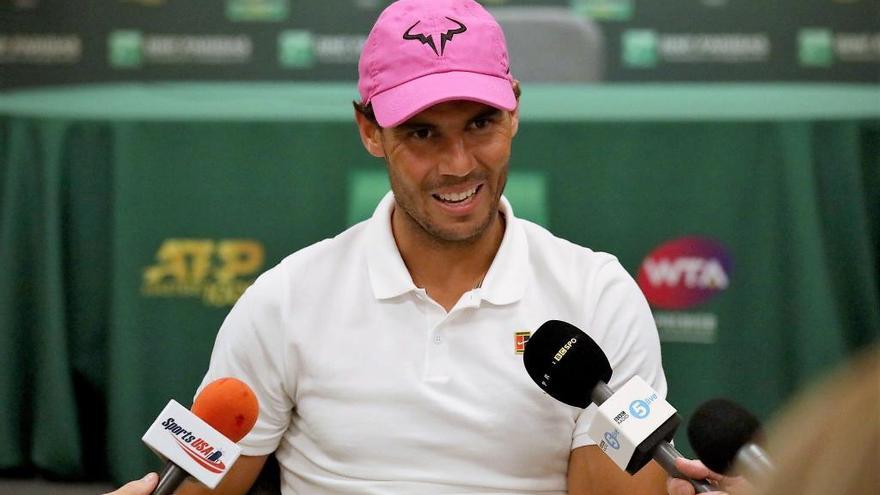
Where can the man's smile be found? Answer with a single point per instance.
(458, 197)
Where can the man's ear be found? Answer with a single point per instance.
(371, 135)
(514, 121)
(514, 115)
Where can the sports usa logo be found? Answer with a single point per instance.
(196, 448)
(685, 272)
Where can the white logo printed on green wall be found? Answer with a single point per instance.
(815, 47)
(639, 48)
(296, 49)
(124, 49)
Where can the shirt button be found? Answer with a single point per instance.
(437, 339)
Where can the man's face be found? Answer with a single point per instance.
(448, 167)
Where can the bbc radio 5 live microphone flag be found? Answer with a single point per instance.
(202, 443)
(632, 426)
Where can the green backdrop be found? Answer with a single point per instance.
(131, 216)
(52, 42)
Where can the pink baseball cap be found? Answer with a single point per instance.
(423, 52)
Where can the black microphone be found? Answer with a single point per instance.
(567, 364)
(724, 435)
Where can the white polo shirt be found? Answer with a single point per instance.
(367, 386)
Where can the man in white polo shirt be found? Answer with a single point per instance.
(388, 360)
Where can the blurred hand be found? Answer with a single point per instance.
(143, 486)
(696, 470)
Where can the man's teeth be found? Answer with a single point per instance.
(457, 197)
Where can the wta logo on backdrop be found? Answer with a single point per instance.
(677, 278)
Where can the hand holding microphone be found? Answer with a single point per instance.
(201, 443)
(732, 485)
(143, 486)
(723, 434)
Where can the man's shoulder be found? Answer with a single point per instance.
(545, 244)
(315, 264)
(328, 252)
(561, 264)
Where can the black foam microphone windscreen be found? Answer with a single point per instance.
(718, 429)
(565, 362)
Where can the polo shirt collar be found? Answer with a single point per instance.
(388, 274)
(505, 282)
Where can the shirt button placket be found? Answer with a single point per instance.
(437, 356)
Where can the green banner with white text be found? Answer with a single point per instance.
(51, 42)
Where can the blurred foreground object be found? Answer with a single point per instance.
(828, 440)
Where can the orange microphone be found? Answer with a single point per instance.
(201, 442)
(228, 405)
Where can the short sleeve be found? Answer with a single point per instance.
(250, 346)
(624, 328)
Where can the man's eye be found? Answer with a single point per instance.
(482, 123)
(421, 133)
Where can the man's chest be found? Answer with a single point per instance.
(407, 382)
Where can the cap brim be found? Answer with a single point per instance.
(396, 105)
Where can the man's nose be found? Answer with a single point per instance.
(456, 159)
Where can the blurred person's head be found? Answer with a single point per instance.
(827, 441)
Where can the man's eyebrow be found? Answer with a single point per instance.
(487, 113)
(414, 124)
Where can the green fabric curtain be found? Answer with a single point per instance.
(126, 233)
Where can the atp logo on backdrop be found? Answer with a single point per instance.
(216, 271)
(685, 272)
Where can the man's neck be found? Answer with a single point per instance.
(446, 270)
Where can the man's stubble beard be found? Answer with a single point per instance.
(435, 233)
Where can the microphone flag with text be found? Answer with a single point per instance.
(632, 426)
(202, 442)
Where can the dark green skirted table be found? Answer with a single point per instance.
(131, 217)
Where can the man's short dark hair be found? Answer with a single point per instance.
(366, 111)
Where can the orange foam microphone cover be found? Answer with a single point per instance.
(229, 406)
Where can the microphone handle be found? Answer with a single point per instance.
(601, 392)
(665, 454)
(169, 479)
(754, 462)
